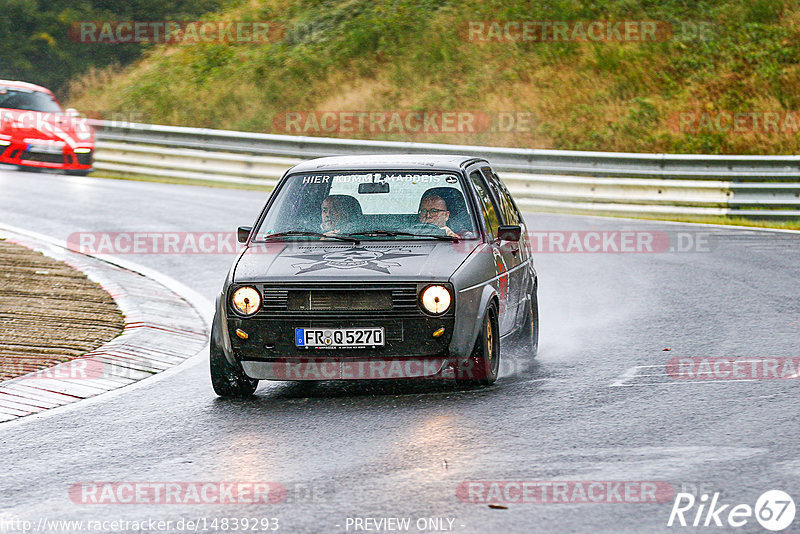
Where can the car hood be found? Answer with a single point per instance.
(368, 262)
(46, 127)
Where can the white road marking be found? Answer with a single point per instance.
(627, 375)
(633, 373)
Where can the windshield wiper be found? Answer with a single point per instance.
(312, 234)
(391, 233)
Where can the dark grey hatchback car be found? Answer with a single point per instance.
(377, 267)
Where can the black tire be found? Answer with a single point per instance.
(483, 365)
(227, 380)
(529, 332)
(77, 172)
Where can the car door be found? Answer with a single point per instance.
(514, 252)
(510, 207)
(502, 256)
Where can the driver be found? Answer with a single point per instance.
(339, 214)
(433, 210)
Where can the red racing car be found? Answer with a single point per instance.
(35, 132)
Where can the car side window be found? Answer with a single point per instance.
(511, 201)
(488, 206)
(509, 212)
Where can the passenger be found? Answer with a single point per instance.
(433, 210)
(340, 214)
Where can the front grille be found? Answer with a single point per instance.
(273, 300)
(326, 300)
(41, 156)
(339, 298)
(84, 159)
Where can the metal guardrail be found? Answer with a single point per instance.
(589, 182)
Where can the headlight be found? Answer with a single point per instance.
(435, 299)
(246, 300)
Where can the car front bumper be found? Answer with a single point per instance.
(336, 368)
(416, 344)
(18, 153)
(410, 351)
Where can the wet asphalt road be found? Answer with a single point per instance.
(595, 405)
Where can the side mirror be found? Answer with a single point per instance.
(242, 233)
(72, 112)
(509, 232)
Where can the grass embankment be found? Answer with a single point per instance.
(51, 313)
(727, 56)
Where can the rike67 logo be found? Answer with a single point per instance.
(774, 510)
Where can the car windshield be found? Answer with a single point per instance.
(28, 100)
(369, 206)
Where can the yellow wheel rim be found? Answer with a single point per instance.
(489, 341)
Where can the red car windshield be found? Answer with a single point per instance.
(28, 100)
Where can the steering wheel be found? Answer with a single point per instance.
(427, 228)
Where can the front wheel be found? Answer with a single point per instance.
(227, 380)
(483, 365)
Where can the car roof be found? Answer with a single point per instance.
(24, 85)
(386, 162)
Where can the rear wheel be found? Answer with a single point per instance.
(227, 380)
(529, 333)
(483, 365)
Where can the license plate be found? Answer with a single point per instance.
(334, 338)
(46, 149)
